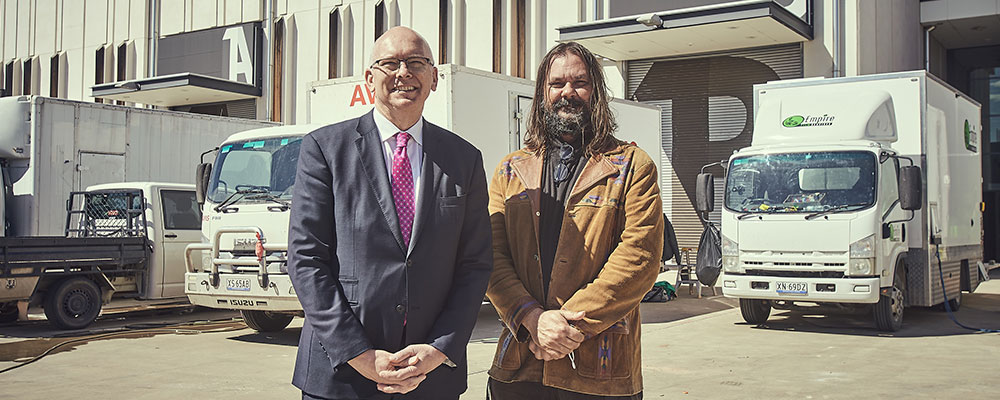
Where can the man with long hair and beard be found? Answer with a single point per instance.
(577, 237)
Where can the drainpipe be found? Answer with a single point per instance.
(838, 54)
(154, 38)
(154, 35)
(927, 47)
(266, 60)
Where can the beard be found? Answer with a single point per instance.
(572, 124)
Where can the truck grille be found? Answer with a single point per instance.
(796, 274)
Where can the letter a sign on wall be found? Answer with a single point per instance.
(240, 62)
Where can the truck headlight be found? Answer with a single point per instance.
(862, 257)
(864, 248)
(730, 255)
(730, 247)
(731, 264)
(860, 266)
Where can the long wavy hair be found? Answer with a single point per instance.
(599, 135)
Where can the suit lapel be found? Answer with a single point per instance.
(430, 175)
(373, 163)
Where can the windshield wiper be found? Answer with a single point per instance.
(239, 194)
(835, 209)
(769, 210)
(270, 197)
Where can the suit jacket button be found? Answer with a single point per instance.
(409, 263)
(400, 308)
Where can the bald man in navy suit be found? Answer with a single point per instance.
(389, 242)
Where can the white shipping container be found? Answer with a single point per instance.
(487, 109)
(55, 146)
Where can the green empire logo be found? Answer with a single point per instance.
(792, 121)
(797, 121)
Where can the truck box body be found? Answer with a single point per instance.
(489, 110)
(871, 118)
(55, 146)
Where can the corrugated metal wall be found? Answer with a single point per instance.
(707, 112)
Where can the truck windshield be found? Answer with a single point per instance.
(262, 166)
(801, 182)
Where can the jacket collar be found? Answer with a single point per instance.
(529, 169)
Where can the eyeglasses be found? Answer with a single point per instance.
(565, 158)
(414, 64)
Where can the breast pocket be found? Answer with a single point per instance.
(451, 202)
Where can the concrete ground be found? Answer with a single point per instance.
(692, 348)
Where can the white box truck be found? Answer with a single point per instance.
(51, 148)
(856, 192)
(247, 193)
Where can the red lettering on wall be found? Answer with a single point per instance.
(371, 96)
(358, 96)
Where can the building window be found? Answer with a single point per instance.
(279, 73)
(26, 71)
(8, 79)
(519, 28)
(498, 36)
(122, 65)
(443, 31)
(379, 19)
(99, 68)
(54, 76)
(334, 44)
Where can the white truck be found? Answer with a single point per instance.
(859, 192)
(248, 192)
(50, 148)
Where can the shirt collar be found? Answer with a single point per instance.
(387, 130)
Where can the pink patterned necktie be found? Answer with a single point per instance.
(402, 186)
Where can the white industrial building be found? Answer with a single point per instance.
(695, 59)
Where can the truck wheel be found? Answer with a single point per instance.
(755, 311)
(74, 303)
(889, 309)
(266, 321)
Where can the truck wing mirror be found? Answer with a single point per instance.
(705, 193)
(202, 174)
(910, 188)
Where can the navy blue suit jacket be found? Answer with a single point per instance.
(355, 278)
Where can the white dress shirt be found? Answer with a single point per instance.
(414, 150)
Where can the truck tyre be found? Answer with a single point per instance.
(889, 309)
(266, 321)
(73, 303)
(755, 311)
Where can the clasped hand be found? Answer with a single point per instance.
(398, 372)
(552, 336)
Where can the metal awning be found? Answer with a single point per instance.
(735, 25)
(176, 90)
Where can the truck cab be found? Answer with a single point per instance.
(173, 222)
(247, 197)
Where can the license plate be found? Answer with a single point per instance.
(241, 302)
(792, 287)
(245, 244)
(240, 284)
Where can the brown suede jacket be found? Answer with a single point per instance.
(606, 260)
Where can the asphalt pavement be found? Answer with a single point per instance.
(692, 349)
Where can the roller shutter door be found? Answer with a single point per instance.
(707, 112)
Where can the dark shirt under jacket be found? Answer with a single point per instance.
(553, 202)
